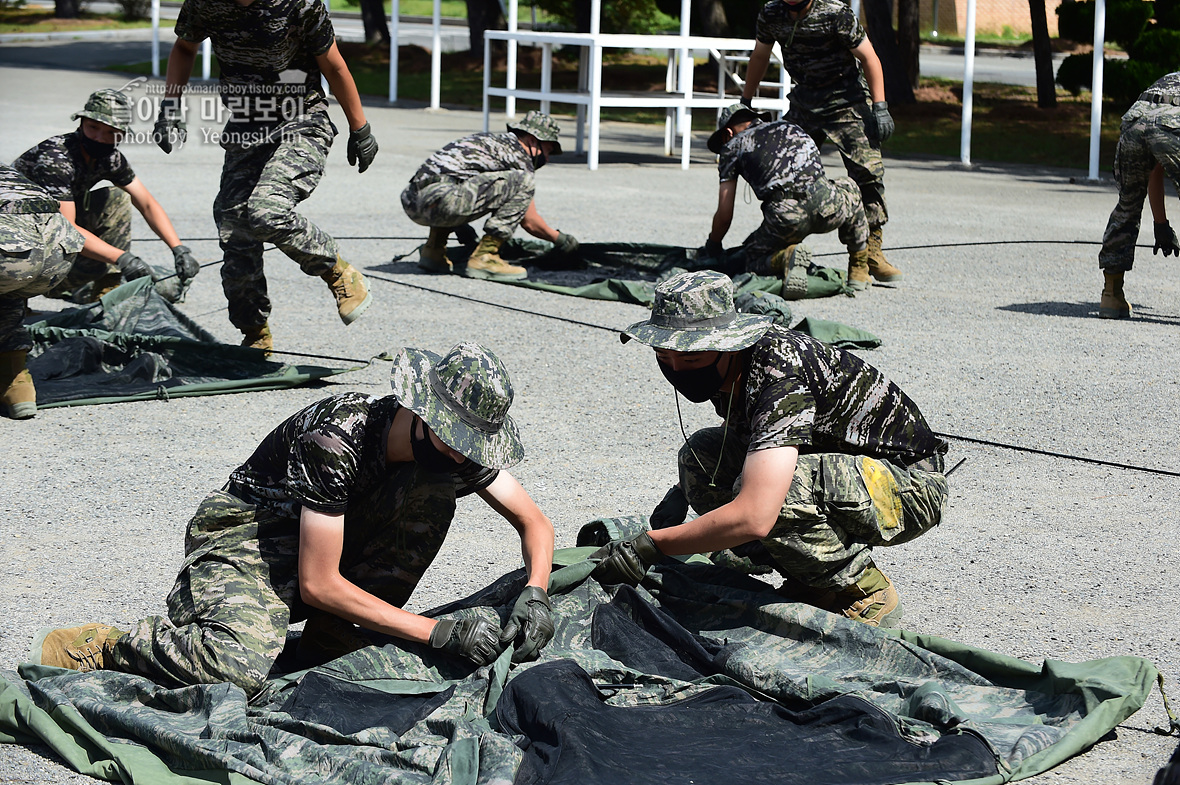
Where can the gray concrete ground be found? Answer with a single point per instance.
(1038, 556)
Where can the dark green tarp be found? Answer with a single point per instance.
(441, 725)
(134, 345)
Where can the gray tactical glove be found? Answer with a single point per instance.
(362, 146)
(671, 511)
(170, 129)
(187, 265)
(170, 287)
(566, 243)
(1165, 240)
(132, 266)
(625, 561)
(474, 639)
(884, 121)
(532, 620)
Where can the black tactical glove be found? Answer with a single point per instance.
(884, 120)
(672, 509)
(187, 265)
(625, 561)
(712, 249)
(746, 102)
(362, 146)
(566, 243)
(132, 266)
(170, 128)
(474, 639)
(532, 620)
(1165, 240)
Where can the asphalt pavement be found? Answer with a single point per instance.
(993, 332)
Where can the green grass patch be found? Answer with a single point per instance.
(34, 19)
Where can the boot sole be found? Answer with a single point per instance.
(888, 278)
(436, 270)
(486, 276)
(892, 620)
(1114, 313)
(23, 410)
(359, 311)
(795, 284)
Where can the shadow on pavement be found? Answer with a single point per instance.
(1089, 311)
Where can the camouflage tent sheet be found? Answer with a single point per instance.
(134, 345)
(690, 677)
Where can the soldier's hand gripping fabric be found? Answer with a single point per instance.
(1165, 240)
(530, 623)
(566, 243)
(626, 561)
(884, 120)
(474, 639)
(187, 265)
(362, 147)
(170, 128)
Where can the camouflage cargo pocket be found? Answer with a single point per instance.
(864, 496)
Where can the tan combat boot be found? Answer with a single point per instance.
(858, 270)
(789, 265)
(20, 397)
(259, 338)
(879, 267)
(84, 648)
(872, 600)
(433, 256)
(1113, 304)
(485, 263)
(349, 289)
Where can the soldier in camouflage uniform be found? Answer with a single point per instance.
(831, 99)
(819, 457)
(1149, 149)
(334, 519)
(37, 249)
(781, 163)
(68, 166)
(485, 174)
(276, 143)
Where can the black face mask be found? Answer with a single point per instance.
(95, 149)
(427, 456)
(696, 384)
(539, 160)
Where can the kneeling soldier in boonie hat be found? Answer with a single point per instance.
(334, 519)
(485, 174)
(819, 457)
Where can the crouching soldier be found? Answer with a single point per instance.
(782, 165)
(334, 519)
(37, 249)
(68, 166)
(485, 174)
(819, 458)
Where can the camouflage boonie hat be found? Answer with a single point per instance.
(108, 106)
(693, 312)
(464, 398)
(540, 125)
(734, 113)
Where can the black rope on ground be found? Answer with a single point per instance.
(1050, 453)
(335, 236)
(980, 242)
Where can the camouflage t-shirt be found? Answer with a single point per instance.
(1167, 85)
(60, 167)
(21, 196)
(476, 154)
(266, 52)
(800, 392)
(328, 453)
(772, 157)
(816, 47)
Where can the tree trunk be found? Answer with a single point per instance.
(708, 17)
(879, 24)
(376, 25)
(67, 9)
(1042, 56)
(483, 15)
(909, 39)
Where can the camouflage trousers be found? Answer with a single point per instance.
(838, 507)
(36, 252)
(1150, 135)
(444, 202)
(261, 184)
(238, 588)
(843, 125)
(105, 212)
(832, 205)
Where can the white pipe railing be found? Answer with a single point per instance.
(1096, 85)
(968, 83)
